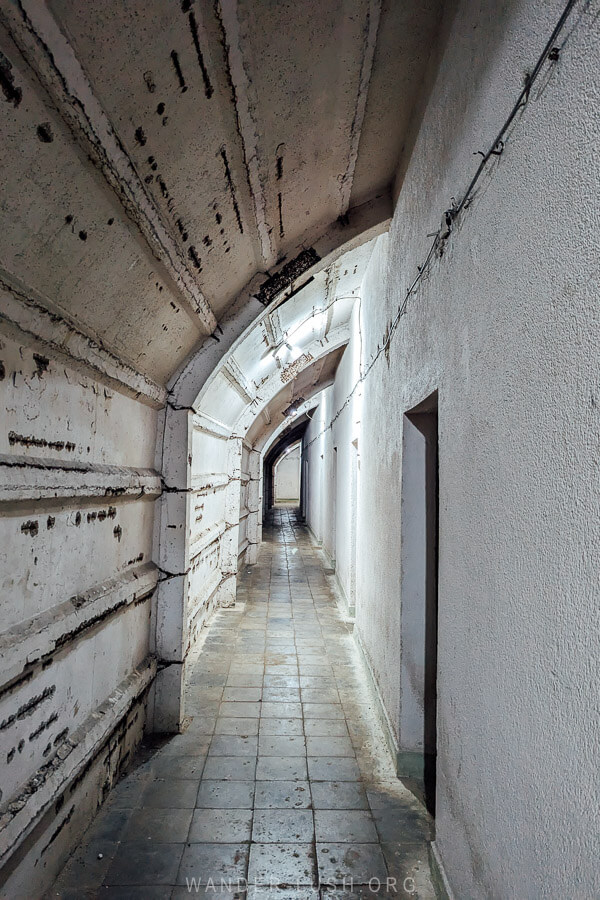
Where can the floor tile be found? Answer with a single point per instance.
(281, 768)
(244, 680)
(171, 794)
(226, 794)
(353, 826)
(325, 727)
(284, 863)
(332, 768)
(282, 795)
(355, 863)
(277, 893)
(238, 709)
(158, 825)
(246, 694)
(145, 862)
(329, 746)
(233, 745)
(281, 745)
(229, 826)
(408, 864)
(213, 862)
(283, 825)
(281, 710)
(323, 711)
(281, 695)
(230, 768)
(240, 726)
(277, 693)
(281, 726)
(338, 795)
(178, 767)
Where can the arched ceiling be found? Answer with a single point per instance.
(160, 157)
(290, 353)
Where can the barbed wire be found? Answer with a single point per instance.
(550, 52)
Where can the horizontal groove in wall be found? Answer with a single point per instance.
(205, 423)
(209, 482)
(33, 640)
(73, 755)
(24, 479)
(204, 595)
(205, 538)
(32, 317)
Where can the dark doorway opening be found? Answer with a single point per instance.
(419, 598)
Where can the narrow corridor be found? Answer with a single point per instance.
(282, 781)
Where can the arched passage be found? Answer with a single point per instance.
(289, 352)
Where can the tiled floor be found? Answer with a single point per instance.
(282, 784)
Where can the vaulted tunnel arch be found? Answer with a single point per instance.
(227, 226)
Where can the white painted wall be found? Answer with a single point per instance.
(286, 473)
(506, 329)
(77, 492)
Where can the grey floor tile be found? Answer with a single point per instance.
(282, 681)
(88, 865)
(279, 668)
(408, 864)
(145, 862)
(282, 795)
(245, 694)
(238, 709)
(244, 680)
(281, 695)
(281, 768)
(320, 695)
(281, 745)
(350, 863)
(277, 893)
(325, 727)
(283, 825)
(240, 726)
(281, 864)
(128, 793)
(226, 794)
(171, 794)
(230, 768)
(410, 823)
(158, 825)
(323, 711)
(321, 671)
(229, 826)
(192, 742)
(332, 768)
(281, 726)
(210, 892)
(213, 862)
(345, 826)
(233, 745)
(288, 674)
(178, 767)
(329, 746)
(338, 795)
(281, 710)
(111, 822)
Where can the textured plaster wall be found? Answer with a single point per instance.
(77, 492)
(333, 466)
(287, 476)
(506, 328)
